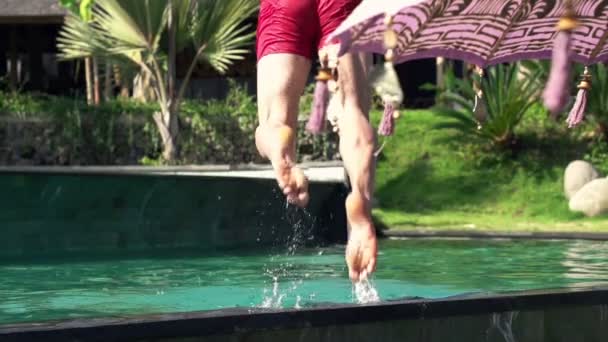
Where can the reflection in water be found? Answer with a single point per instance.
(503, 322)
(586, 263)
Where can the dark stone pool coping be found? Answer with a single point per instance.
(317, 172)
(230, 321)
(141, 169)
(494, 235)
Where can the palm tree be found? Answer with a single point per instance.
(82, 8)
(148, 34)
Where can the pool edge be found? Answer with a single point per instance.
(432, 233)
(228, 321)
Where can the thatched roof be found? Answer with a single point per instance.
(27, 11)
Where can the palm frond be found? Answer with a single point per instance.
(219, 28)
(78, 39)
(132, 25)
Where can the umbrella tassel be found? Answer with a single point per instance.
(556, 93)
(480, 111)
(580, 105)
(387, 124)
(316, 121)
(385, 82)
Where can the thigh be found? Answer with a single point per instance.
(281, 79)
(331, 14)
(287, 26)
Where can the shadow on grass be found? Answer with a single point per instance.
(542, 155)
(418, 190)
(427, 186)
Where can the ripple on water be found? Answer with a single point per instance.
(32, 291)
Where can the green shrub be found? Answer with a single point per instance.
(43, 129)
(597, 154)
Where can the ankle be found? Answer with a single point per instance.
(357, 206)
(259, 142)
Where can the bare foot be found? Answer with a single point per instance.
(362, 249)
(277, 144)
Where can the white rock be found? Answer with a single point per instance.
(578, 173)
(591, 199)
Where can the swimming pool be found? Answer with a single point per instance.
(270, 280)
(185, 281)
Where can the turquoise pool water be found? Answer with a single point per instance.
(38, 290)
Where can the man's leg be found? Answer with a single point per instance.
(281, 81)
(357, 144)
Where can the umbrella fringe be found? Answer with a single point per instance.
(385, 81)
(316, 121)
(387, 124)
(556, 93)
(577, 113)
(480, 111)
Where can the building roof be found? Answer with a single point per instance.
(31, 11)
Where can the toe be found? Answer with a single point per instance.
(371, 266)
(353, 275)
(303, 199)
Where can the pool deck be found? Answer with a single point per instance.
(321, 172)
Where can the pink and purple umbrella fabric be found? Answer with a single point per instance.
(481, 32)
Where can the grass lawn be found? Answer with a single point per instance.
(426, 179)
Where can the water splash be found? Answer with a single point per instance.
(364, 292)
(275, 300)
(302, 223)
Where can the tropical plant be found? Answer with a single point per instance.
(449, 82)
(506, 98)
(82, 9)
(149, 34)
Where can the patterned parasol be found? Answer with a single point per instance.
(481, 32)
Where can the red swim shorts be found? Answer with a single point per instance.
(299, 26)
